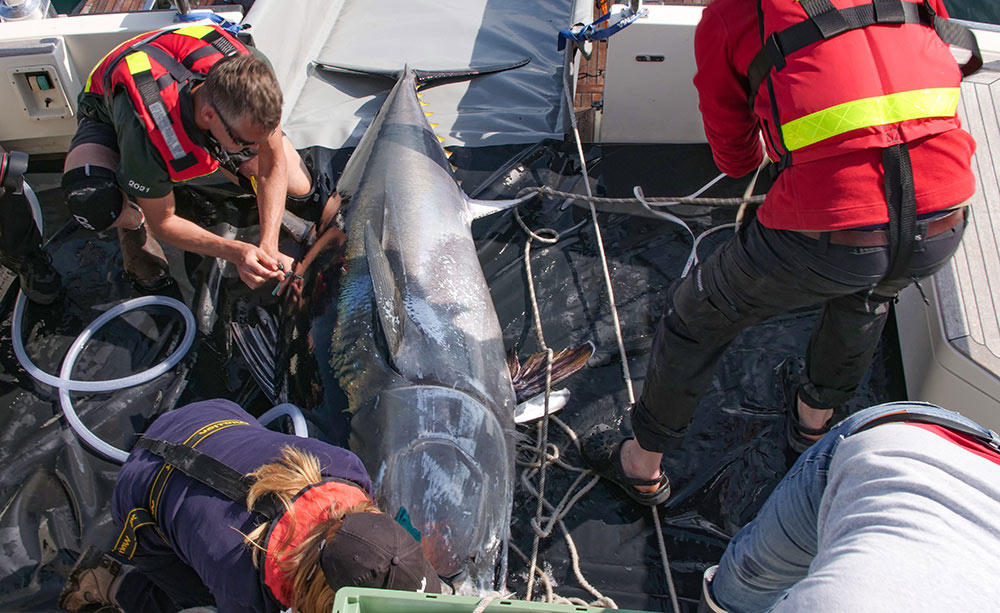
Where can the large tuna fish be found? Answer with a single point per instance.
(403, 323)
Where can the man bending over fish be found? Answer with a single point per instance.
(167, 107)
(215, 509)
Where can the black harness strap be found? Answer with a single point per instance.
(217, 43)
(992, 442)
(826, 17)
(786, 155)
(825, 21)
(207, 470)
(202, 468)
(902, 205)
(126, 544)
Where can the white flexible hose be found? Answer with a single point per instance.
(289, 409)
(63, 381)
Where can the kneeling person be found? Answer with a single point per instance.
(167, 107)
(305, 527)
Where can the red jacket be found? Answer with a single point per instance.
(193, 49)
(836, 183)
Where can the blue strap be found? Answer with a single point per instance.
(222, 22)
(591, 32)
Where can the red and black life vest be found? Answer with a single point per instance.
(153, 68)
(873, 74)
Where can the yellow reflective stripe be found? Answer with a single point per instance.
(138, 62)
(868, 112)
(194, 31)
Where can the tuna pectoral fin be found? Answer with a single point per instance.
(388, 300)
(482, 208)
(256, 344)
(529, 378)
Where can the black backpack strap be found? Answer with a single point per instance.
(205, 469)
(786, 156)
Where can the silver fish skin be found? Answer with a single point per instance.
(418, 350)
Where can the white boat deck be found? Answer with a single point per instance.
(970, 290)
(951, 349)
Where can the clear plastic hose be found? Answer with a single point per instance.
(63, 381)
(289, 409)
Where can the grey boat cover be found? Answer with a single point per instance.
(333, 110)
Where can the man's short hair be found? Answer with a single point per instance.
(245, 85)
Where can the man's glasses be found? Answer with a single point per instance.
(229, 130)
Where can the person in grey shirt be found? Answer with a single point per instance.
(897, 508)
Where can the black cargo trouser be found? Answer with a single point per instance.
(161, 581)
(759, 273)
(18, 233)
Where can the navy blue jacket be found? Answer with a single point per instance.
(202, 527)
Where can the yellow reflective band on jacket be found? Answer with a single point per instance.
(868, 112)
(194, 31)
(138, 62)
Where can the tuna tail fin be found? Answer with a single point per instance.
(423, 77)
(256, 343)
(388, 299)
(529, 378)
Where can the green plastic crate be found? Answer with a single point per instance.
(374, 600)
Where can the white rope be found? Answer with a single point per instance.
(666, 562)
(659, 201)
(627, 376)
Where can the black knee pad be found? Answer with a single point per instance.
(92, 195)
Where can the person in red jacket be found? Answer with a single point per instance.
(169, 106)
(855, 104)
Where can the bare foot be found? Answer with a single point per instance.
(641, 464)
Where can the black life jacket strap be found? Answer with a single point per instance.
(825, 21)
(902, 204)
(786, 155)
(149, 91)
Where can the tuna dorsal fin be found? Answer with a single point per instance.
(529, 378)
(388, 299)
(482, 208)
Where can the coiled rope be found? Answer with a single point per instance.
(544, 453)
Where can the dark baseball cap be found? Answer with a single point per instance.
(373, 550)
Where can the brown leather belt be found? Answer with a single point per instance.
(878, 238)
